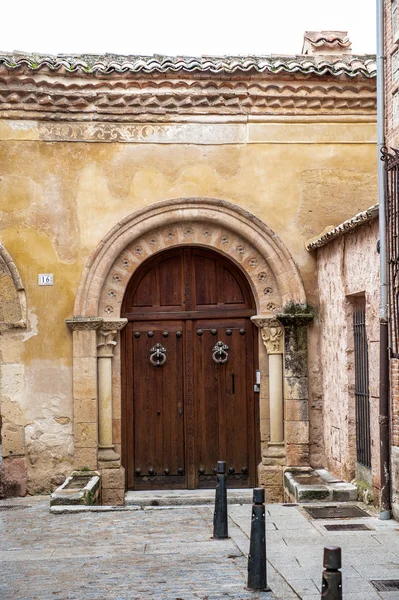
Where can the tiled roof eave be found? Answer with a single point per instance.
(349, 65)
(348, 225)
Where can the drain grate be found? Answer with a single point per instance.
(11, 507)
(385, 585)
(348, 527)
(335, 512)
(288, 504)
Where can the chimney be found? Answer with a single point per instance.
(326, 42)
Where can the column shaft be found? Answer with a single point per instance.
(276, 398)
(105, 400)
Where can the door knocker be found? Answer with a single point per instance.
(220, 353)
(158, 355)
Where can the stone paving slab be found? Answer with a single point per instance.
(128, 555)
(166, 553)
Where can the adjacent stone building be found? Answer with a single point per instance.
(154, 217)
(348, 270)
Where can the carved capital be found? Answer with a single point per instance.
(84, 323)
(272, 333)
(106, 336)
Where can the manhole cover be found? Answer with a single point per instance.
(335, 512)
(385, 585)
(348, 527)
(10, 507)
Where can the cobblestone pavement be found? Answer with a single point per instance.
(168, 554)
(164, 554)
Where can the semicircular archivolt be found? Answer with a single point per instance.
(12, 293)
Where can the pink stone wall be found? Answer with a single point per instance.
(348, 270)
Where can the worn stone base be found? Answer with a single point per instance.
(113, 487)
(13, 477)
(308, 485)
(82, 487)
(271, 478)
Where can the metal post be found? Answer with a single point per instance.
(331, 585)
(257, 579)
(220, 527)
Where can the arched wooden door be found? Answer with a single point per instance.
(188, 372)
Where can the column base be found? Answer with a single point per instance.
(274, 454)
(108, 458)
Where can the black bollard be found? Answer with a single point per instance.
(331, 585)
(220, 527)
(257, 579)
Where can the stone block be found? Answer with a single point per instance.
(84, 378)
(296, 432)
(13, 477)
(274, 495)
(113, 497)
(10, 348)
(86, 435)
(297, 455)
(296, 410)
(13, 440)
(296, 388)
(84, 343)
(85, 458)
(85, 411)
(271, 478)
(113, 478)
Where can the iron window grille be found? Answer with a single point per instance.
(362, 395)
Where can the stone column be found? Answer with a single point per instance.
(296, 393)
(272, 333)
(106, 342)
(85, 411)
(109, 462)
(273, 456)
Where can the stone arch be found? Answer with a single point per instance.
(12, 293)
(234, 232)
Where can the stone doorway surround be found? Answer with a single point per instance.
(282, 318)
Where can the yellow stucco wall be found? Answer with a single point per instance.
(58, 199)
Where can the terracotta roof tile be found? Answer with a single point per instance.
(350, 65)
(327, 236)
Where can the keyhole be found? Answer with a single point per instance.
(232, 384)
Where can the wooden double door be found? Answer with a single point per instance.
(189, 361)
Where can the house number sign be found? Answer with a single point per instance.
(45, 279)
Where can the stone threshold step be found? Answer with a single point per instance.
(308, 485)
(185, 497)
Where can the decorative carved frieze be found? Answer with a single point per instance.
(84, 323)
(272, 332)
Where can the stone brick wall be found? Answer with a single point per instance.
(395, 400)
(341, 283)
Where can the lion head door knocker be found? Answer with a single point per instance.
(158, 355)
(220, 353)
